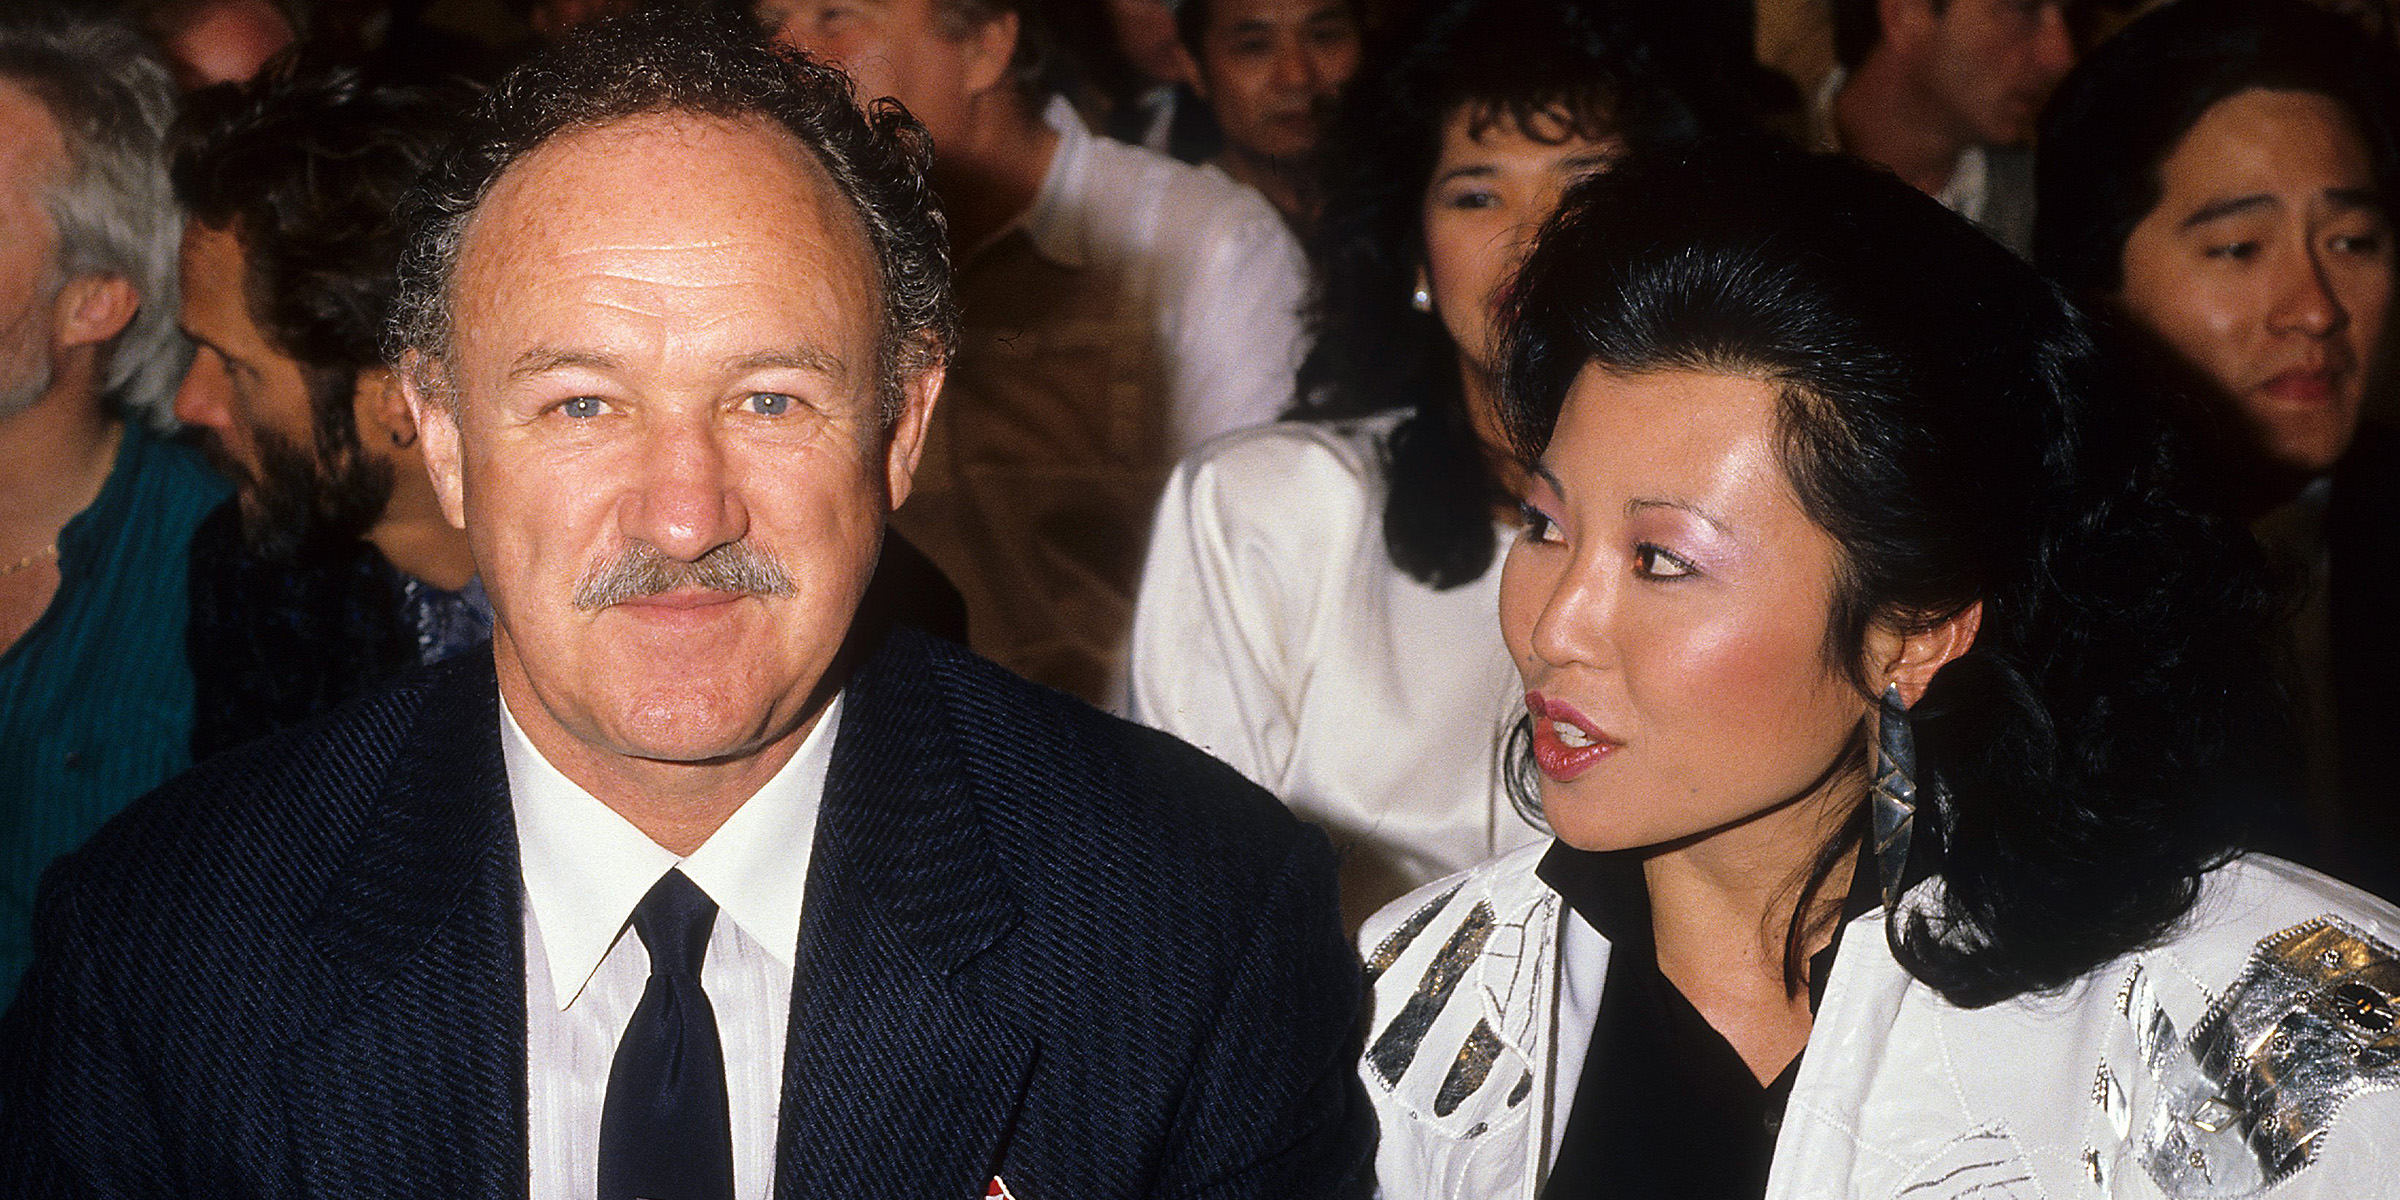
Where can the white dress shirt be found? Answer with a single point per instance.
(585, 869)
(1274, 632)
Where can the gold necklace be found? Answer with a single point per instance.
(49, 551)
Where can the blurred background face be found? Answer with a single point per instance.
(1145, 35)
(1668, 608)
(32, 156)
(1492, 188)
(1272, 70)
(226, 42)
(897, 48)
(2267, 266)
(666, 369)
(258, 420)
(1994, 62)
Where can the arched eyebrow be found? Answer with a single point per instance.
(797, 358)
(1640, 504)
(2230, 206)
(1643, 504)
(541, 360)
(2356, 199)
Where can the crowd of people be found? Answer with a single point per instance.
(1450, 598)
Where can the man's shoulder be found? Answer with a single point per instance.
(1064, 784)
(1191, 207)
(1263, 475)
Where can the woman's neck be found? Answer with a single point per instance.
(1720, 909)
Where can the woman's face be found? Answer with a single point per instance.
(1491, 191)
(1668, 607)
(2267, 266)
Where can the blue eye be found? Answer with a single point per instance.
(583, 407)
(770, 404)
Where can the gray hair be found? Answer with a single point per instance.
(670, 60)
(114, 212)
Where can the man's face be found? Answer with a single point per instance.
(667, 449)
(1992, 64)
(32, 157)
(251, 402)
(2267, 267)
(1272, 69)
(896, 48)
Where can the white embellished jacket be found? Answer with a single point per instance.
(2255, 1051)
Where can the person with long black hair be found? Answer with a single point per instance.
(1882, 687)
(1316, 605)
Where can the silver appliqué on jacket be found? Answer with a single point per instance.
(2313, 1020)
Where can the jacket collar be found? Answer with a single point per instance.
(907, 1057)
(416, 1081)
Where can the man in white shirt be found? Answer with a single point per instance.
(699, 886)
(1945, 94)
(1117, 307)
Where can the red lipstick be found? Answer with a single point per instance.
(1565, 742)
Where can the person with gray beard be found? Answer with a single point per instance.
(97, 508)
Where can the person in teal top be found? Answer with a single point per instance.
(96, 509)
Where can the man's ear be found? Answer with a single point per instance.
(988, 51)
(379, 404)
(904, 441)
(1910, 660)
(91, 309)
(436, 419)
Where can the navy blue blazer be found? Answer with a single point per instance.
(1037, 942)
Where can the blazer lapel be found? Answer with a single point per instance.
(414, 1084)
(906, 1060)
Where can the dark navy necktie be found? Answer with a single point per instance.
(664, 1132)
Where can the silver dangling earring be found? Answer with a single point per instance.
(1422, 298)
(1894, 794)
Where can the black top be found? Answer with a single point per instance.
(1665, 1106)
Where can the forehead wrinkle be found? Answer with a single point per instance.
(512, 224)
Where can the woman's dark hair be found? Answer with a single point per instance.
(1947, 417)
(1505, 62)
(2124, 109)
(306, 164)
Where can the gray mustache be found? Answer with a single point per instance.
(643, 570)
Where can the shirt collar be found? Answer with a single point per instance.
(586, 867)
(1966, 193)
(1050, 222)
(1607, 889)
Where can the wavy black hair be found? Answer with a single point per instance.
(669, 60)
(305, 164)
(2126, 106)
(1948, 418)
(1604, 73)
